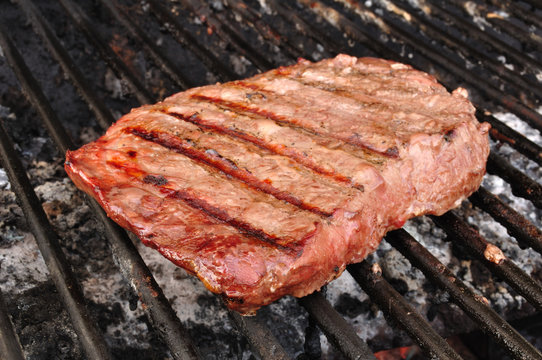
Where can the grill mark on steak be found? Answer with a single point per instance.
(225, 165)
(284, 120)
(159, 182)
(223, 216)
(292, 153)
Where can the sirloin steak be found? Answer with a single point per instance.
(272, 185)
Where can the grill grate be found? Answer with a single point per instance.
(384, 32)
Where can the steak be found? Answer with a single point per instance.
(271, 185)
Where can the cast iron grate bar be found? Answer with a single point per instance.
(259, 336)
(43, 29)
(518, 226)
(267, 31)
(444, 35)
(503, 133)
(336, 329)
(114, 62)
(9, 342)
(523, 34)
(528, 16)
(286, 12)
(522, 185)
(492, 324)
(187, 39)
(127, 257)
(137, 33)
(394, 306)
(475, 31)
(503, 24)
(59, 269)
(491, 256)
(221, 27)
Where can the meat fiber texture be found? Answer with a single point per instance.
(271, 185)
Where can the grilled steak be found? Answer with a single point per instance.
(272, 185)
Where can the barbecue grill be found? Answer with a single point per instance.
(68, 69)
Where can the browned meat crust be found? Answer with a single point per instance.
(272, 185)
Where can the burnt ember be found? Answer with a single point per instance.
(490, 48)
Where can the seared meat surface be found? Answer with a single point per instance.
(272, 185)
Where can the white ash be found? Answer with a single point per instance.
(4, 181)
(61, 190)
(239, 63)
(23, 268)
(521, 126)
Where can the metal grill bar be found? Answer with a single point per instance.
(522, 229)
(185, 38)
(485, 36)
(491, 256)
(119, 67)
(162, 61)
(503, 133)
(525, 15)
(395, 307)
(228, 34)
(286, 12)
(445, 36)
(65, 282)
(43, 29)
(521, 184)
(337, 330)
(260, 338)
(492, 324)
(130, 262)
(525, 36)
(9, 343)
(267, 31)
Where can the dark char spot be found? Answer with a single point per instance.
(155, 180)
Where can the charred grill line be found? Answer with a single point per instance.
(261, 143)
(469, 239)
(59, 269)
(116, 64)
(223, 216)
(284, 121)
(130, 262)
(492, 324)
(519, 227)
(224, 165)
(395, 306)
(336, 329)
